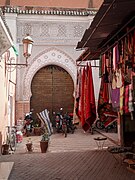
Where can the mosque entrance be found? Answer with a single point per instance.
(52, 88)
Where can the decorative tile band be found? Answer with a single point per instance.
(49, 11)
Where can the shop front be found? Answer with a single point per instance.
(111, 39)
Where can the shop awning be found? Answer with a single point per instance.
(112, 16)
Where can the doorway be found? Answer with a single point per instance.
(52, 88)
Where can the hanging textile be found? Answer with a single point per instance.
(85, 98)
(133, 52)
(103, 99)
(78, 92)
(90, 106)
(130, 103)
(116, 99)
(126, 99)
(44, 117)
(114, 58)
(133, 83)
(121, 99)
(82, 100)
(118, 78)
(102, 65)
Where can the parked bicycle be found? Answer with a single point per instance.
(10, 144)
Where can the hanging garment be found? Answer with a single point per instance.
(115, 57)
(116, 99)
(110, 92)
(130, 102)
(133, 52)
(127, 77)
(103, 63)
(126, 99)
(114, 83)
(78, 92)
(85, 125)
(110, 77)
(90, 106)
(133, 85)
(106, 75)
(121, 99)
(103, 99)
(118, 78)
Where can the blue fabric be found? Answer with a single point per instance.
(44, 117)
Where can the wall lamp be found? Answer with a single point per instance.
(27, 49)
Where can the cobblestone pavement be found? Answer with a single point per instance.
(73, 158)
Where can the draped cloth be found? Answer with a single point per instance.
(126, 99)
(88, 106)
(44, 117)
(103, 99)
(85, 106)
(78, 92)
(121, 99)
(82, 99)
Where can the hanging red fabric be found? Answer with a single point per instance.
(90, 110)
(82, 98)
(89, 106)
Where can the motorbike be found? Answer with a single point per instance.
(69, 121)
(61, 124)
(28, 126)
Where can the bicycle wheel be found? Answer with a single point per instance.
(99, 124)
(64, 129)
(13, 142)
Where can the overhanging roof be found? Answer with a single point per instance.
(112, 16)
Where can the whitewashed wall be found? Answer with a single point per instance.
(55, 39)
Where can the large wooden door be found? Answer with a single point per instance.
(52, 88)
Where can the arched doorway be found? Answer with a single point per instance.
(52, 88)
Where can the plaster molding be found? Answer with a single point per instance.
(5, 39)
(51, 31)
(51, 56)
(51, 11)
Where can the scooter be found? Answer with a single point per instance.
(69, 120)
(61, 124)
(28, 126)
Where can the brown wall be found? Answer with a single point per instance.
(54, 3)
(95, 3)
(21, 109)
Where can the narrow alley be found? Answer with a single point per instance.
(76, 157)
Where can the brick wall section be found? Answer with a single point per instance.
(22, 109)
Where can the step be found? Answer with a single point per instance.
(5, 170)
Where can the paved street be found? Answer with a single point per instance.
(73, 158)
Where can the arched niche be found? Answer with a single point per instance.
(51, 56)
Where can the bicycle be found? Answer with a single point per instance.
(11, 138)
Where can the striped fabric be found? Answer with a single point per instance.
(121, 99)
(44, 117)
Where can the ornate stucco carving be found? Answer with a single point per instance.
(51, 11)
(51, 56)
(5, 39)
(49, 32)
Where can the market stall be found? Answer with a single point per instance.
(111, 38)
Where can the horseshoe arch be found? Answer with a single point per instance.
(51, 56)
